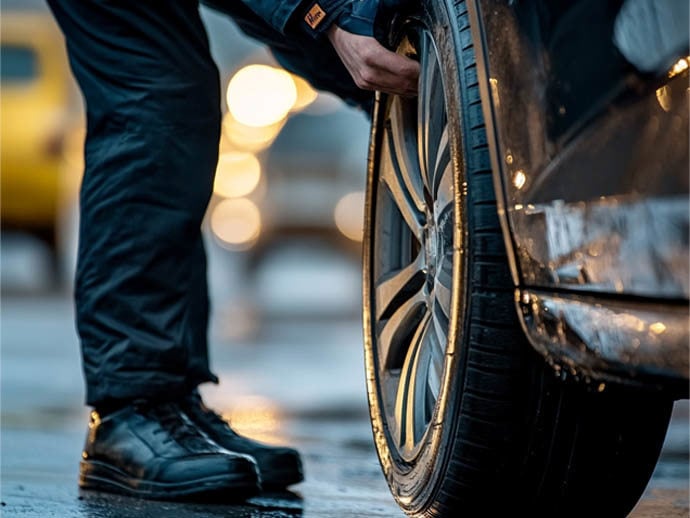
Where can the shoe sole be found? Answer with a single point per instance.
(100, 476)
(280, 479)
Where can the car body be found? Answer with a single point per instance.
(594, 197)
(38, 109)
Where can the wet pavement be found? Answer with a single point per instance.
(299, 382)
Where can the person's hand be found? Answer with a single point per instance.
(374, 67)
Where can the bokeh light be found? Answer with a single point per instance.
(259, 95)
(238, 174)
(657, 328)
(519, 179)
(679, 66)
(305, 94)
(236, 223)
(349, 215)
(249, 138)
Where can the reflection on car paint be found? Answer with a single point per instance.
(649, 33)
(639, 246)
(590, 168)
(633, 144)
(617, 342)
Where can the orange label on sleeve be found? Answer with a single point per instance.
(315, 16)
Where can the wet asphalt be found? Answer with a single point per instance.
(297, 382)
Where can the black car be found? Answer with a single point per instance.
(526, 256)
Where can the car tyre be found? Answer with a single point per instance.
(468, 419)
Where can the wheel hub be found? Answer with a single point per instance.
(432, 247)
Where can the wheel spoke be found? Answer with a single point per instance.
(445, 191)
(398, 328)
(423, 407)
(431, 119)
(398, 285)
(404, 147)
(441, 162)
(423, 105)
(406, 200)
(440, 324)
(438, 150)
(442, 288)
(406, 403)
(437, 348)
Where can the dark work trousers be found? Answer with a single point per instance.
(152, 98)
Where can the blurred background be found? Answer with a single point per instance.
(283, 231)
(287, 198)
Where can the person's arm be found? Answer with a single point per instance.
(348, 25)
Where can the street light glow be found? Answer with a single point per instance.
(236, 223)
(259, 95)
(305, 94)
(349, 215)
(249, 138)
(237, 174)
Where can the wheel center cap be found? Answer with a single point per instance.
(431, 247)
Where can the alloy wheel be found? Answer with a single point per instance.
(413, 253)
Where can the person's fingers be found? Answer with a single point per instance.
(387, 71)
(392, 74)
(370, 78)
(372, 66)
(381, 57)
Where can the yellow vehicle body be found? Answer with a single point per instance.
(36, 110)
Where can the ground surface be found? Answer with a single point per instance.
(299, 383)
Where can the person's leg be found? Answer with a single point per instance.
(152, 99)
(153, 122)
(316, 61)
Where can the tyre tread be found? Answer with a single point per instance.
(545, 447)
(489, 454)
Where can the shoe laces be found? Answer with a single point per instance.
(199, 411)
(174, 423)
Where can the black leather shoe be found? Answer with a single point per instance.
(279, 466)
(155, 451)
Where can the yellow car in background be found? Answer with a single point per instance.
(39, 108)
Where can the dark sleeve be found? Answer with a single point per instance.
(308, 16)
